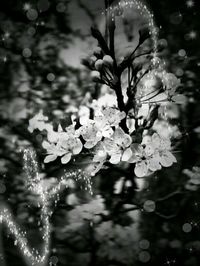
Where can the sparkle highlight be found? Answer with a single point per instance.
(45, 198)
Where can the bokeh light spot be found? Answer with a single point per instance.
(32, 14)
(50, 77)
(144, 256)
(26, 52)
(144, 244)
(31, 31)
(54, 260)
(182, 53)
(60, 7)
(149, 206)
(187, 228)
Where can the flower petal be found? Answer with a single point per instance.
(149, 150)
(46, 145)
(99, 157)
(154, 164)
(90, 144)
(78, 147)
(141, 169)
(65, 159)
(115, 158)
(110, 146)
(60, 129)
(121, 138)
(179, 99)
(100, 153)
(137, 153)
(50, 158)
(107, 132)
(167, 159)
(127, 155)
(155, 140)
(52, 136)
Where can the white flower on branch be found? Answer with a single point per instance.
(90, 133)
(100, 153)
(93, 131)
(113, 116)
(67, 144)
(118, 147)
(151, 156)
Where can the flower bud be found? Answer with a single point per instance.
(97, 51)
(108, 60)
(99, 64)
(93, 59)
(95, 75)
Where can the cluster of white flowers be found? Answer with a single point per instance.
(151, 155)
(65, 144)
(106, 140)
(102, 125)
(102, 135)
(117, 148)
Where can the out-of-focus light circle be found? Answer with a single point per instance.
(50, 77)
(31, 31)
(179, 72)
(39, 138)
(182, 53)
(54, 260)
(26, 52)
(32, 14)
(187, 228)
(144, 244)
(144, 256)
(149, 206)
(60, 7)
(163, 42)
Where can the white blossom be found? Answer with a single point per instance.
(152, 155)
(93, 131)
(39, 121)
(118, 148)
(65, 144)
(90, 133)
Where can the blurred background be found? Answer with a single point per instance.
(42, 43)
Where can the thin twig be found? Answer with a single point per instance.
(167, 217)
(172, 194)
